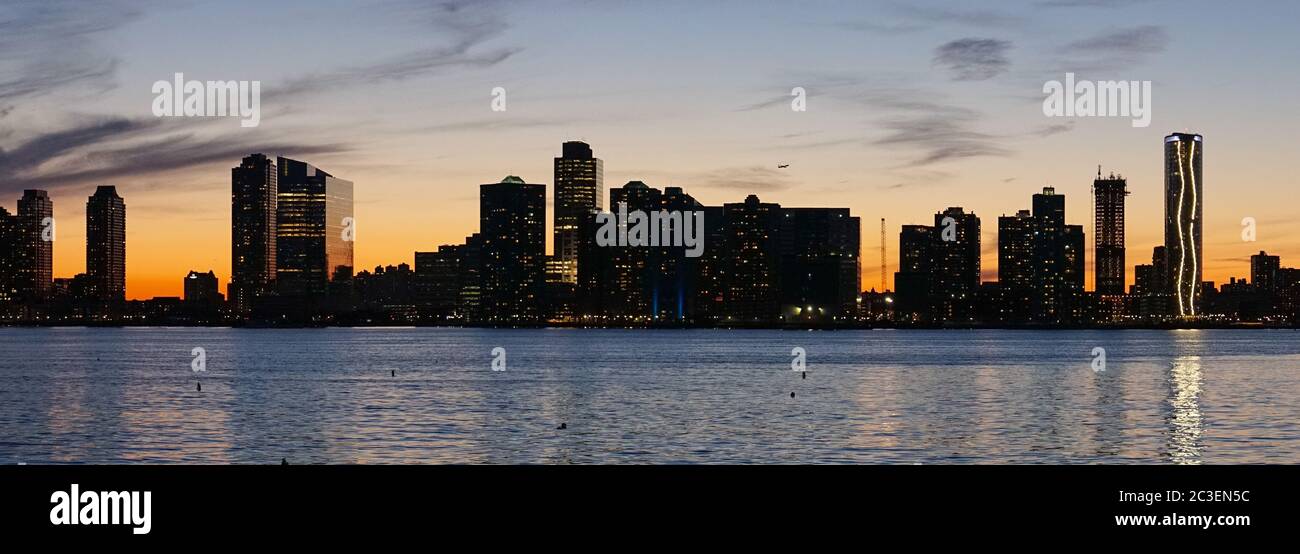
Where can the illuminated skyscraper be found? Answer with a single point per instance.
(1183, 220)
(579, 185)
(253, 189)
(106, 245)
(955, 273)
(512, 220)
(1108, 230)
(35, 269)
(9, 252)
(314, 229)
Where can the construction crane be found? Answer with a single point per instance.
(883, 278)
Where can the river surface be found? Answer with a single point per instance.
(431, 395)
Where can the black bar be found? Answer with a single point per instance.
(510, 501)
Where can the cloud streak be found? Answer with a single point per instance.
(973, 59)
(1114, 49)
(53, 44)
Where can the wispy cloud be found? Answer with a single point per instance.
(979, 18)
(974, 59)
(46, 45)
(939, 132)
(1054, 129)
(109, 149)
(752, 178)
(1114, 49)
(464, 26)
(1090, 3)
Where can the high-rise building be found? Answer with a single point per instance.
(955, 270)
(820, 265)
(10, 244)
(752, 279)
(633, 268)
(35, 270)
(1183, 220)
(512, 221)
(676, 283)
(1040, 263)
(912, 281)
(1016, 266)
(253, 191)
(1264, 271)
(106, 245)
(314, 229)
(579, 187)
(1108, 233)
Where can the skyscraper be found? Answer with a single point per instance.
(820, 271)
(252, 230)
(10, 239)
(35, 261)
(955, 273)
(1183, 220)
(1264, 271)
(106, 245)
(1108, 233)
(314, 229)
(1040, 263)
(579, 186)
(1016, 265)
(512, 221)
(912, 281)
(752, 279)
(633, 269)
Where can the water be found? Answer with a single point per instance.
(635, 396)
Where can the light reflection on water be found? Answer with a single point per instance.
(671, 396)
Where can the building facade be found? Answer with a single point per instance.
(1109, 275)
(253, 196)
(106, 245)
(1183, 220)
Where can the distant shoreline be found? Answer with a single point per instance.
(680, 327)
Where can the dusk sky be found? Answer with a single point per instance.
(912, 107)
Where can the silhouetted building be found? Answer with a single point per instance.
(35, 255)
(675, 285)
(820, 273)
(1058, 261)
(106, 245)
(387, 295)
(253, 195)
(1264, 271)
(202, 289)
(512, 220)
(439, 279)
(314, 229)
(1040, 263)
(955, 273)
(752, 278)
(1108, 220)
(633, 268)
(912, 280)
(10, 244)
(1183, 219)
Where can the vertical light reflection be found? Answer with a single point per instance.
(1185, 401)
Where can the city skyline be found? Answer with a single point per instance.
(893, 120)
(583, 187)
